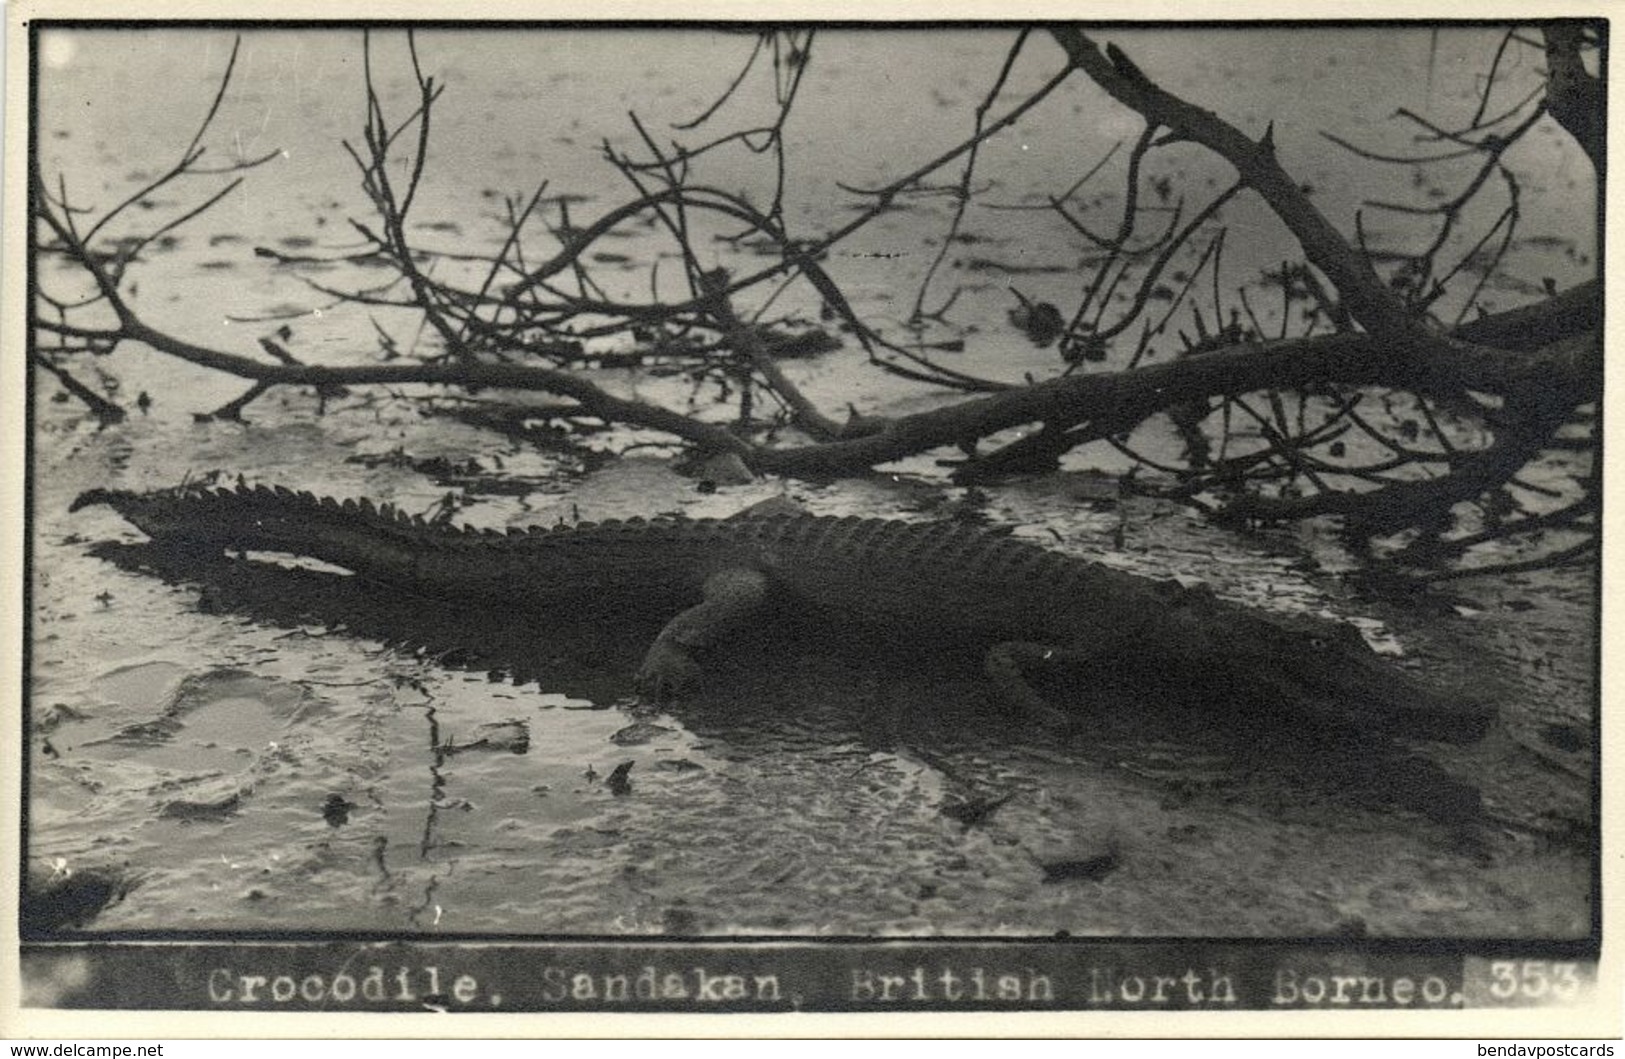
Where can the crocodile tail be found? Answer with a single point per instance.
(360, 536)
(91, 497)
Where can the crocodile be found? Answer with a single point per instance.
(1024, 606)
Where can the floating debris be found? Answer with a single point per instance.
(512, 736)
(1091, 866)
(336, 810)
(638, 733)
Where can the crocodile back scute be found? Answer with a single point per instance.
(932, 574)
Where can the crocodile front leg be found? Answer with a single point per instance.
(731, 597)
(1006, 665)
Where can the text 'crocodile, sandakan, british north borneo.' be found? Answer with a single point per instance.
(1023, 605)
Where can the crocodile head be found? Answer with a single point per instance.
(1316, 667)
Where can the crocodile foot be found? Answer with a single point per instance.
(667, 671)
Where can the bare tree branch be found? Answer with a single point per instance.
(1370, 301)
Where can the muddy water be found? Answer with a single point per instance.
(266, 748)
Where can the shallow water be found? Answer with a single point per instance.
(259, 748)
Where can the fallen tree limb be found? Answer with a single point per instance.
(1575, 98)
(103, 409)
(1402, 504)
(1520, 375)
(1377, 308)
(1117, 400)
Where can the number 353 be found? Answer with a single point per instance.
(1534, 980)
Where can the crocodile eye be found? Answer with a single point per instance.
(1317, 642)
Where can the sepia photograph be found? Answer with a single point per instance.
(824, 516)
